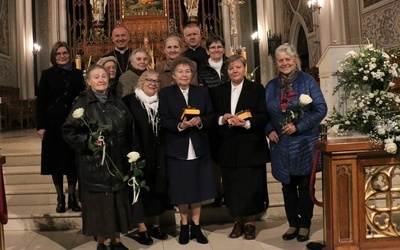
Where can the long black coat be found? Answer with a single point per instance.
(151, 145)
(57, 90)
(118, 139)
(237, 146)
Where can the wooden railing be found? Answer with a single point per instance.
(361, 194)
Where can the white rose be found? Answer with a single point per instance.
(78, 113)
(365, 78)
(391, 148)
(305, 99)
(133, 156)
(381, 131)
(391, 84)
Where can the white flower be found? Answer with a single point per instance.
(78, 113)
(340, 69)
(391, 147)
(305, 99)
(365, 78)
(133, 156)
(373, 59)
(381, 131)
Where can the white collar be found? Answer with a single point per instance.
(122, 51)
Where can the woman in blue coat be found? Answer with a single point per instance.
(292, 142)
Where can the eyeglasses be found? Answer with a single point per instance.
(111, 67)
(153, 81)
(215, 47)
(62, 53)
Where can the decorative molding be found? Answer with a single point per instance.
(382, 25)
(5, 72)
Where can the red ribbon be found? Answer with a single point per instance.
(312, 180)
(3, 201)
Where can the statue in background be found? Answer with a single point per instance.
(98, 10)
(192, 9)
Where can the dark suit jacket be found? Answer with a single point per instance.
(171, 105)
(237, 146)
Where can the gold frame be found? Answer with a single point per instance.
(140, 10)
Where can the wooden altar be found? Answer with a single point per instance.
(361, 186)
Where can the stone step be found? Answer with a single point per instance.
(22, 159)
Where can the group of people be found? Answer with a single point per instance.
(88, 129)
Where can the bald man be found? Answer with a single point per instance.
(121, 37)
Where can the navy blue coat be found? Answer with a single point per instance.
(293, 155)
(171, 104)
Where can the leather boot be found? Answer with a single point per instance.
(196, 233)
(73, 204)
(184, 234)
(60, 204)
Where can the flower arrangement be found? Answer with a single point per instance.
(136, 172)
(291, 115)
(368, 77)
(96, 134)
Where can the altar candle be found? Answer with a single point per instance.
(243, 54)
(78, 62)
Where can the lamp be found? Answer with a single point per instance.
(313, 5)
(273, 43)
(36, 48)
(255, 37)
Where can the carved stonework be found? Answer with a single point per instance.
(313, 51)
(5, 73)
(382, 25)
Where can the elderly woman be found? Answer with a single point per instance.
(139, 62)
(172, 49)
(106, 211)
(292, 145)
(110, 64)
(242, 150)
(58, 87)
(189, 169)
(151, 204)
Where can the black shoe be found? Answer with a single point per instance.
(315, 246)
(101, 247)
(288, 236)
(303, 237)
(60, 204)
(184, 234)
(144, 238)
(196, 233)
(118, 246)
(157, 233)
(73, 204)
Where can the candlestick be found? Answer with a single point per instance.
(78, 62)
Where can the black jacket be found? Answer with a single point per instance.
(209, 77)
(118, 140)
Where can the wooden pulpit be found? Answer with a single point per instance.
(361, 194)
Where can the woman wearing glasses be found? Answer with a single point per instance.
(58, 87)
(143, 104)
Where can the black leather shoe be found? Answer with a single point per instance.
(60, 204)
(303, 237)
(101, 247)
(315, 246)
(237, 231)
(157, 233)
(144, 238)
(184, 234)
(73, 204)
(118, 246)
(218, 202)
(249, 232)
(196, 233)
(290, 236)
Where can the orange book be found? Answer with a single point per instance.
(189, 113)
(244, 115)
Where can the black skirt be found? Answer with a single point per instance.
(245, 190)
(106, 213)
(190, 181)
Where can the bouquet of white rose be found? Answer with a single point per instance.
(291, 115)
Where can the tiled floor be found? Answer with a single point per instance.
(269, 228)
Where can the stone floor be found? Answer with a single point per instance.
(269, 229)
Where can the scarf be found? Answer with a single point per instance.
(102, 97)
(67, 67)
(136, 71)
(150, 104)
(217, 66)
(285, 82)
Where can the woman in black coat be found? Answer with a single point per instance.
(242, 150)
(58, 87)
(143, 104)
(106, 210)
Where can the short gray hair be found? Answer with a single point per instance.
(291, 51)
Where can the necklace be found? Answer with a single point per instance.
(122, 58)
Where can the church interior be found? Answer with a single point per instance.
(322, 31)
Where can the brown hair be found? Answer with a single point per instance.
(54, 49)
(234, 58)
(182, 60)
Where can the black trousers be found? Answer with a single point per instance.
(298, 204)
